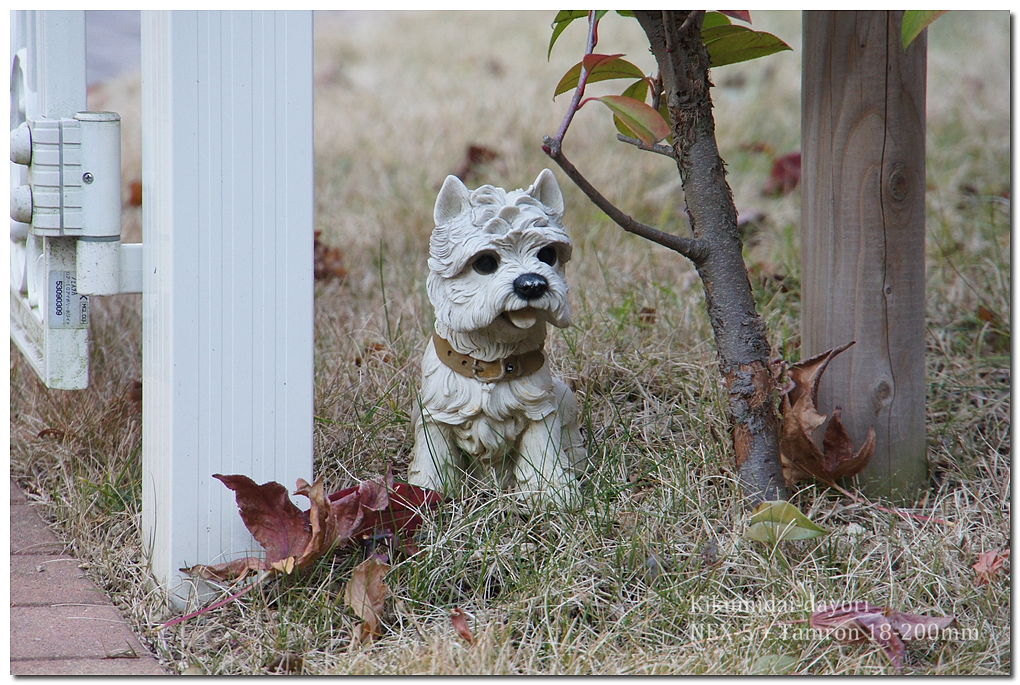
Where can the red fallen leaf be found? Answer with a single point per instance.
(758, 146)
(294, 539)
(986, 314)
(785, 175)
(856, 621)
(988, 565)
(280, 527)
(742, 15)
(403, 513)
(459, 619)
(328, 261)
(799, 452)
(54, 433)
(474, 157)
(366, 594)
(375, 352)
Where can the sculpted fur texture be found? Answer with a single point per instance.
(489, 407)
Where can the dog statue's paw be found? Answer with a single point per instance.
(564, 495)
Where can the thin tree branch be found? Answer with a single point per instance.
(582, 81)
(692, 248)
(658, 148)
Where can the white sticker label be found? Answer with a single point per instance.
(67, 309)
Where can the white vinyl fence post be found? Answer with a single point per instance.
(49, 319)
(227, 306)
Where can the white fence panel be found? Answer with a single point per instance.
(228, 290)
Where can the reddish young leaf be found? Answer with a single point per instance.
(366, 594)
(988, 565)
(785, 175)
(646, 123)
(742, 15)
(459, 619)
(600, 68)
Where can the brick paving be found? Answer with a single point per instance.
(61, 623)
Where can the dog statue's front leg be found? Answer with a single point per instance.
(543, 470)
(436, 461)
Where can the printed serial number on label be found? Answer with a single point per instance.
(66, 308)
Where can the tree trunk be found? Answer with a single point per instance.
(740, 338)
(863, 234)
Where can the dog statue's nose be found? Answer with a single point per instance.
(530, 286)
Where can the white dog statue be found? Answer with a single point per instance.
(489, 407)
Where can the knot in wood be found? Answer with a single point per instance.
(897, 182)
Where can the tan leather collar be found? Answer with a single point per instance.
(516, 366)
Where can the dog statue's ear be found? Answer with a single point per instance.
(546, 190)
(454, 198)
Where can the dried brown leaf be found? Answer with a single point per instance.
(54, 433)
(328, 261)
(366, 594)
(988, 565)
(229, 572)
(801, 454)
(855, 621)
(459, 619)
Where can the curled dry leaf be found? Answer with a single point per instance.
(989, 564)
(801, 455)
(459, 619)
(366, 594)
(294, 539)
(857, 621)
(54, 433)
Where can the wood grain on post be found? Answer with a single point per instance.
(863, 126)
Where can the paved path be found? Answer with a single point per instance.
(61, 623)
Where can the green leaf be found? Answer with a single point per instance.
(731, 44)
(779, 520)
(562, 20)
(645, 122)
(772, 664)
(714, 19)
(603, 68)
(915, 21)
(638, 91)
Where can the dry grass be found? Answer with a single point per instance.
(653, 576)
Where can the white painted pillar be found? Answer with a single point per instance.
(227, 306)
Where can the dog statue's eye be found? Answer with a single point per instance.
(547, 255)
(486, 264)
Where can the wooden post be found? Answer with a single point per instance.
(863, 124)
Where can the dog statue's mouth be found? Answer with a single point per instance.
(522, 318)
